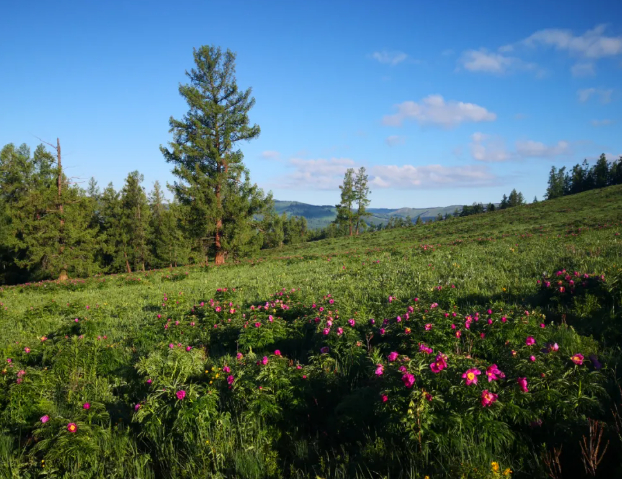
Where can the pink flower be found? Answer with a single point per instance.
(339, 331)
(382, 331)
(393, 356)
(385, 398)
(226, 369)
(494, 373)
(471, 376)
(26, 350)
(532, 359)
(379, 370)
(324, 349)
(277, 352)
(530, 341)
(458, 334)
(86, 406)
(171, 345)
(264, 361)
(239, 356)
(180, 394)
(439, 364)
(488, 398)
(425, 349)
(72, 428)
(428, 327)
(258, 324)
(351, 322)
(230, 380)
(326, 331)
(45, 419)
(428, 396)
(188, 348)
(136, 407)
(522, 382)
(577, 359)
(408, 380)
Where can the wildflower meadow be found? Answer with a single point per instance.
(480, 347)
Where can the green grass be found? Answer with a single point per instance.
(327, 419)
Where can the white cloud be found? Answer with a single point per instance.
(394, 140)
(434, 110)
(536, 149)
(484, 61)
(327, 174)
(320, 174)
(432, 176)
(488, 149)
(391, 58)
(604, 122)
(271, 155)
(592, 44)
(492, 149)
(587, 93)
(583, 69)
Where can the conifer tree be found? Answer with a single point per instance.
(50, 222)
(204, 154)
(361, 197)
(135, 220)
(345, 209)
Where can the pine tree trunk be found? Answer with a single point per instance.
(220, 254)
(127, 263)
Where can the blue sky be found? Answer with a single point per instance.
(445, 102)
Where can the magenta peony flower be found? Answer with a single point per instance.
(425, 349)
(471, 376)
(26, 350)
(494, 373)
(488, 398)
(522, 382)
(226, 369)
(385, 398)
(188, 348)
(379, 370)
(136, 407)
(577, 359)
(439, 364)
(530, 341)
(45, 419)
(393, 356)
(230, 380)
(408, 380)
(277, 352)
(71, 427)
(86, 406)
(180, 394)
(351, 322)
(264, 361)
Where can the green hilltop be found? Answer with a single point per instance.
(320, 216)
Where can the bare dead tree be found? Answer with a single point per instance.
(59, 207)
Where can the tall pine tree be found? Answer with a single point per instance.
(204, 154)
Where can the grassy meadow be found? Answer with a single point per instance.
(477, 347)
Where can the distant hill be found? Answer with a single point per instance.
(321, 216)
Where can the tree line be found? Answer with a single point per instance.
(582, 177)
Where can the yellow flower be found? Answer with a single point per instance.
(504, 289)
(217, 375)
(507, 472)
(495, 466)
